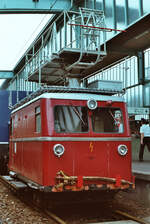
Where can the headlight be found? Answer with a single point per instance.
(58, 150)
(92, 104)
(122, 150)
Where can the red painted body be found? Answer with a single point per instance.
(32, 155)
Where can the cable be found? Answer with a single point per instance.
(53, 4)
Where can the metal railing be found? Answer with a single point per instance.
(80, 32)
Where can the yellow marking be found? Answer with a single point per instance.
(91, 147)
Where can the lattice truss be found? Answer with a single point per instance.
(89, 26)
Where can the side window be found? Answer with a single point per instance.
(37, 119)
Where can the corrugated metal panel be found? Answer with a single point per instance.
(147, 94)
(127, 72)
(134, 96)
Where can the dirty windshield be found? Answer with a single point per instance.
(72, 119)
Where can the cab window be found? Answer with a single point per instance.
(107, 120)
(72, 119)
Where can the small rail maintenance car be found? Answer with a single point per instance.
(71, 141)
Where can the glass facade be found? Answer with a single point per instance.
(89, 4)
(133, 8)
(120, 14)
(109, 18)
(146, 6)
(99, 5)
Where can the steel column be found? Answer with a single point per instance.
(126, 13)
(141, 69)
(141, 8)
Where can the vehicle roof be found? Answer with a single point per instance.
(71, 96)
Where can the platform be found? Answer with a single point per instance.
(124, 222)
(141, 170)
(147, 220)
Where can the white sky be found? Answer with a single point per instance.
(17, 32)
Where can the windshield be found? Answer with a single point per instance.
(72, 119)
(107, 120)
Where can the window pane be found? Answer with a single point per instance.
(38, 123)
(107, 120)
(146, 6)
(71, 119)
(89, 4)
(120, 14)
(133, 10)
(37, 119)
(99, 4)
(37, 110)
(109, 17)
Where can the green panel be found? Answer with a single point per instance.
(6, 75)
(34, 6)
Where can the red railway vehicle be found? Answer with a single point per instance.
(71, 140)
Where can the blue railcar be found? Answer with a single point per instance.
(7, 98)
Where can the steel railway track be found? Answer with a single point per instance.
(23, 193)
(18, 188)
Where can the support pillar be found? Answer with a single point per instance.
(141, 68)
